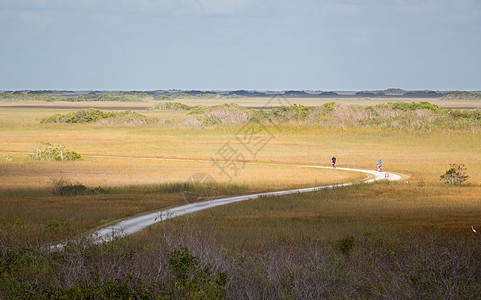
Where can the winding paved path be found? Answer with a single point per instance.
(136, 224)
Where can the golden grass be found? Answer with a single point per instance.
(332, 214)
(117, 172)
(424, 157)
(250, 102)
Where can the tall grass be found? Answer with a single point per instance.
(411, 239)
(334, 213)
(179, 260)
(75, 208)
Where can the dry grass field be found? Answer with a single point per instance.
(134, 156)
(124, 160)
(407, 239)
(249, 102)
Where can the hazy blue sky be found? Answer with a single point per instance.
(240, 44)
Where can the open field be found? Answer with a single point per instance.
(246, 102)
(404, 223)
(333, 214)
(132, 155)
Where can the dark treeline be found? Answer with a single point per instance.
(54, 95)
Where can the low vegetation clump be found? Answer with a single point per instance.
(127, 118)
(413, 106)
(462, 96)
(92, 115)
(170, 106)
(392, 116)
(464, 114)
(191, 280)
(64, 187)
(345, 244)
(183, 95)
(225, 115)
(456, 175)
(48, 151)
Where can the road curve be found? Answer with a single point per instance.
(136, 224)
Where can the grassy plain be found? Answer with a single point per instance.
(411, 238)
(132, 159)
(420, 156)
(332, 214)
(246, 102)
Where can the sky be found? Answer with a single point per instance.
(240, 44)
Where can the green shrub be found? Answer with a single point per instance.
(93, 115)
(207, 120)
(372, 111)
(294, 112)
(328, 107)
(162, 97)
(466, 114)
(47, 151)
(81, 116)
(456, 175)
(345, 244)
(65, 187)
(181, 95)
(198, 109)
(413, 106)
(192, 281)
(259, 115)
(170, 106)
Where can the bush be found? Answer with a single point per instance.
(456, 175)
(93, 115)
(162, 97)
(190, 280)
(345, 244)
(328, 107)
(64, 187)
(287, 113)
(81, 116)
(466, 114)
(48, 151)
(170, 106)
(413, 106)
(126, 118)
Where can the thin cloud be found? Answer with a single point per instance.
(36, 18)
(419, 6)
(341, 9)
(167, 7)
(459, 11)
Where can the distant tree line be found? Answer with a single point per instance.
(462, 96)
(169, 95)
(52, 97)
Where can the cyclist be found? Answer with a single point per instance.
(379, 165)
(333, 160)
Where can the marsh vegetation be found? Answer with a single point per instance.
(411, 239)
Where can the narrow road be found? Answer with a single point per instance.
(136, 224)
